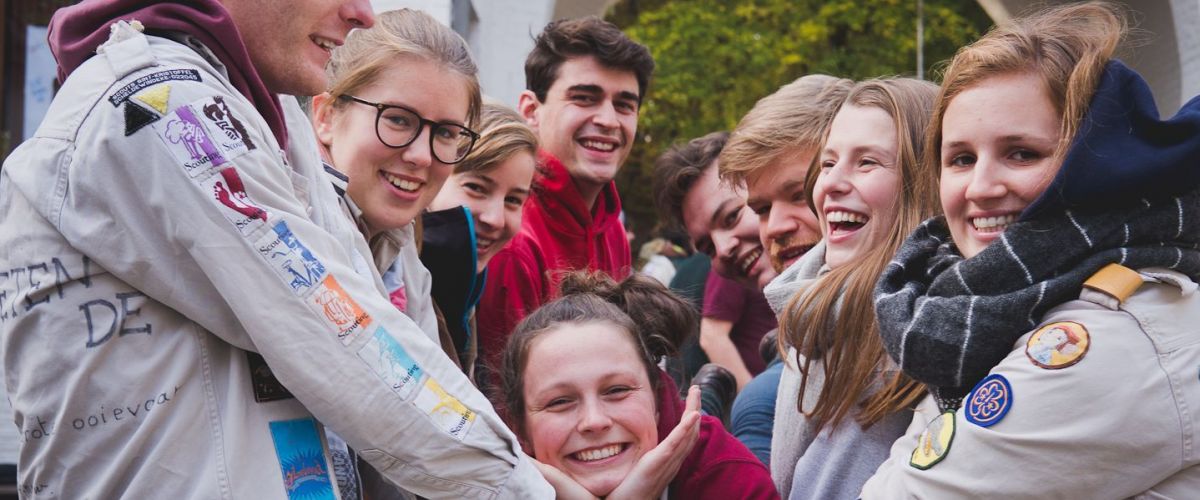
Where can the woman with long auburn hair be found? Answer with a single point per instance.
(1052, 310)
(841, 400)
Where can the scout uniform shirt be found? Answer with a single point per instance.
(1102, 400)
(160, 250)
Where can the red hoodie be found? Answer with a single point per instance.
(720, 467)
(558, 233)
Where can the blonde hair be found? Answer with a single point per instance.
(1067, 47)
(396, 34)
(502, 134)
(834, 319)
(796, 116)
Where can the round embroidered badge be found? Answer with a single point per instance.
(1058, 345)
(989, 401)
(934, 442)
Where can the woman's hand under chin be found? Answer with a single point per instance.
(653, 471)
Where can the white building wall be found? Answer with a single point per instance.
(500, 33)
(1165, 46)
(501, 40)
(439, 9)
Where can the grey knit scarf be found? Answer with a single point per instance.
(947, 320)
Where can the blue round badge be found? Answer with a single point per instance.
(989, 401)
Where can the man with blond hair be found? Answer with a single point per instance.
(770, 152)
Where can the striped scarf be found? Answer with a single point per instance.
(947, 320)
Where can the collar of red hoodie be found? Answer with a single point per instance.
(558, 194)
(76, 31)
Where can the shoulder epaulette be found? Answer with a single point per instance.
(1116, 281)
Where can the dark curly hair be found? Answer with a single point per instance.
(676, 171)
(657, 321)
(586, 36)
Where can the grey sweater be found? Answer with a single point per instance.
(835, 462)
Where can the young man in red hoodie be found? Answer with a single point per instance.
(585, 83)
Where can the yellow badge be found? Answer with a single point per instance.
(1058, 345)
(934, 443)
(156, 97)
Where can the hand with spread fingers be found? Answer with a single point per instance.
(653, 472)
(657, 468)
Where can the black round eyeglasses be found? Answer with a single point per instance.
(398, 126)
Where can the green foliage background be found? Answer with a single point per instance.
(716, 58)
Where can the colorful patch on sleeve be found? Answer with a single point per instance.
(151, 80)
(340, 310)
(1058, 345)
(137, 117)
(989, 401)
(226, 189)
(302, 460)
(156, 97)
(291, 259)
(446, 411)
(223, 127)
(388, 359)
(934, 443)
(187, 141)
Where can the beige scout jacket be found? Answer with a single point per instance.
(1120, 423)
(140, 269)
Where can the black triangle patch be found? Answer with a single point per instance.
(137, 117)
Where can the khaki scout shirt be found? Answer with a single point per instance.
(154, 235)
(1120, 423)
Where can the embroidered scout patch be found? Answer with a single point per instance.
(340, 310)
(446, 411)
(934, 443)
(156, 97)
(204, 134)
(224, 127)
(388, 359)
(301, 459)
(151, 80)
(137, 117)
(187, 141)
(291, 260)
(266, 387)
(226, 189)
(989, 401)
(1058, 345)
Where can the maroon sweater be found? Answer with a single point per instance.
(720, 467)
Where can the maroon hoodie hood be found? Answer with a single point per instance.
(76, 31)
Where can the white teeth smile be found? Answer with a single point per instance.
(401, 184)
(840, 216)
(746, 263)
(324, 44)
(993, 224)
(597, 454)
(597, 145)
